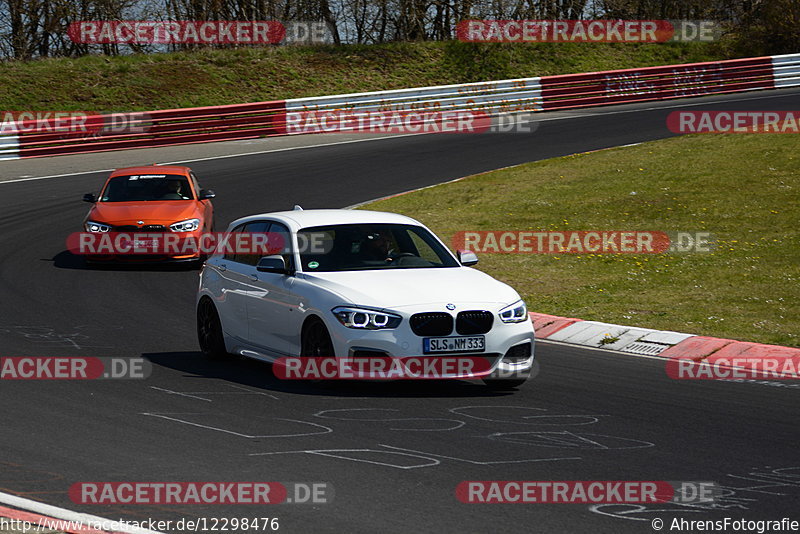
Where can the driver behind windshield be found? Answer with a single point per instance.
(173, 191)
(377, 246)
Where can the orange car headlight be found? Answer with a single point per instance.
(189, 225)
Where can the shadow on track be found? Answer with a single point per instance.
(67, 260)
(256, 374)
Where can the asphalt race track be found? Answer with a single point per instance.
(393, 453)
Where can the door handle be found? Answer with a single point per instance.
(222, 267)
(254, 277)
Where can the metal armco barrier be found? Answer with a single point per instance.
(786, 70)
(247, 121)
(485, 98)
(148, 129)
(656, 83)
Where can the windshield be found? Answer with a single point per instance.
(353, 247)
(143, 187)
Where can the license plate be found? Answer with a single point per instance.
(145, 243)
(431, 345)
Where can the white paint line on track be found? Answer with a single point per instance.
(593, 113)
(69, 515)
(52, 176)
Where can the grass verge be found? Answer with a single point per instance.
(741, 188)
(142, 82)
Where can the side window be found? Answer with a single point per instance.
(257, 227)
(281, 230)
(231, 254)
(195, 184)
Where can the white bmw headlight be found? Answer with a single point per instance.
(365, 319)
(96, 227)
(189, 225)
(515, 313)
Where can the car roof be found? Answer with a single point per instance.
(152, 169)
(297, 219)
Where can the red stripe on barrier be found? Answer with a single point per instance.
(631, 83)
(43, 140)
(660, 69)
(649, 97)
(205, 130)
(655, 83)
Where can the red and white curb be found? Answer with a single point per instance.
(45, 517)
(648, 342)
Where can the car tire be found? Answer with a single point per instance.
(209, 330)
(315, 340)
(504, 383)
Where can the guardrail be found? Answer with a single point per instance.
(35, 138)
(657, 83)
(484, 99)
(261, 119)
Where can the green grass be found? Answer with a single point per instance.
(142, 82)
(741, 188)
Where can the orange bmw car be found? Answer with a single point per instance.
(151, 199)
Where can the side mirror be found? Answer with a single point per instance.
(205, 194)
(89, 197)
(272, 264)
(467, 258)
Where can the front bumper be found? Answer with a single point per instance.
(505, 348)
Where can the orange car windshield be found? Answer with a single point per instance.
(146, 187)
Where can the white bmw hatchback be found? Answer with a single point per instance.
(360, 283)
